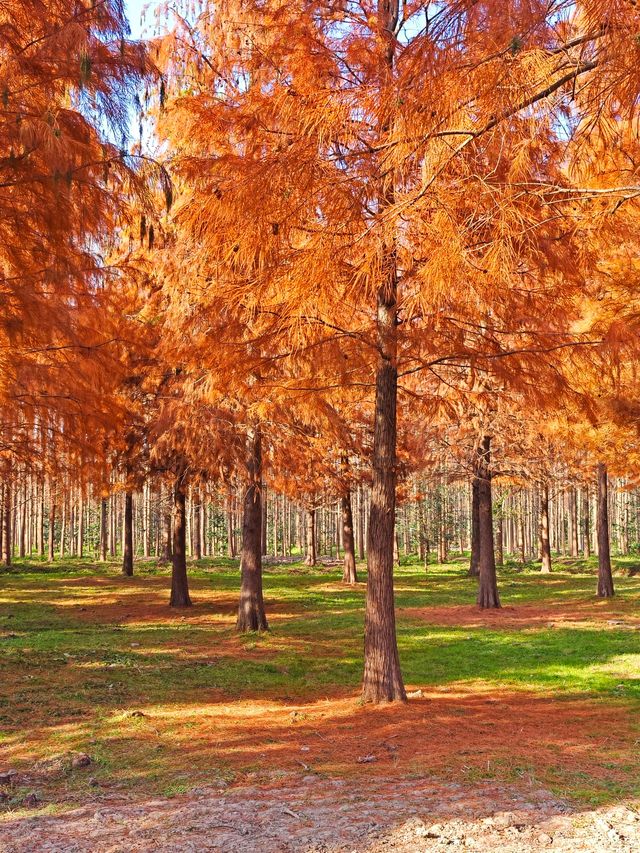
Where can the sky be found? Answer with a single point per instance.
(134, 12)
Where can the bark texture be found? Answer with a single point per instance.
(127, 553)
(179, 581)
(251, 614)
(474, 566)
(545, 544)
(310, 516)
(488, 586)
(349, 574)
(103, 530)
(605, 578)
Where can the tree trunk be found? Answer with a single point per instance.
(360, 522)
(500, 541)
(197, 525)
(127, 551)
(80, 541)
(251, 615)
(349, 574)
(103, 530)
(179, 582)
(231, 536)
(605, 578)
(52, 525)
(311, 558)
(586, 525)
(474, 566)
(382, 679)
(545, 545)
(8, 526)
(488, 588)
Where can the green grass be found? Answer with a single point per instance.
(82, 647)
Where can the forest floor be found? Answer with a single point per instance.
(127, 726)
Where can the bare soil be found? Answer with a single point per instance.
(317, 815)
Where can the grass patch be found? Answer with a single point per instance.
(166, 700)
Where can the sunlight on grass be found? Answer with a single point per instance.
(93, 662)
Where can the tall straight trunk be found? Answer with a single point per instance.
(488, 586)
(474, 565)
(264, 524)
(52, 525)
(251, 614)
(360, 522)
(103, 530)
(63, 530)
(545, 545)
(522, 545)
(146, 519)
(605, 578)
(22, 539)
(310, 517)
(127, 535)
(231, 539)
(349, 574)
(80, 517)
(586, 524)
(382, 680)
(179, 582)
(500, 540)
(41, 521)
(573, 521)
(197, 525)
(166, 550)
(8, 526)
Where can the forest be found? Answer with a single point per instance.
(319, 425)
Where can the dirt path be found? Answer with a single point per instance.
(332, 816)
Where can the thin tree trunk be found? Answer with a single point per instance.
(8, 526)
(251, 613)
(231, 539)
(80, 541)
(197, 525)
(41, 521)
(127, 538)
(500, 540)
(545, 545)
(605, 578)
(179, 581)
(488, 587)
(63, 529)
(360, 522)
(52, 525)
(23, 523)
(311, 558)
(103, 530)
(349, 574)
(474, 566)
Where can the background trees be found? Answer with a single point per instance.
(392, 269)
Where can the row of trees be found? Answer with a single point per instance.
(433, 525)
(385, 241)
